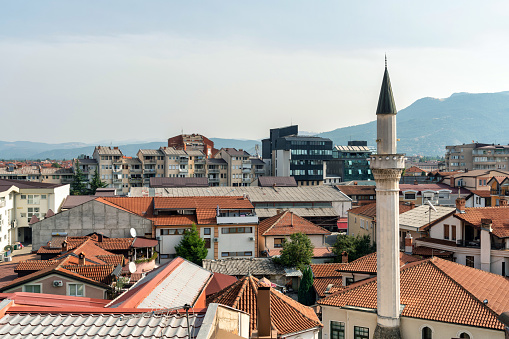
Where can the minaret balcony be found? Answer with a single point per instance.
(387, 161)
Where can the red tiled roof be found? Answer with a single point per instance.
(367, 264)
(100, 273)
(287, 223)
(112, 244)
(144, 242)
(499, 216)
(438, 290)
(482, 193)
(288, 316)
(326, 270)
(320, 285)
(369, 210)
(414, 169)
(35, 265)
(357, 189)
(318, 252)
(431, 252)
(431, 187)
(219, 282)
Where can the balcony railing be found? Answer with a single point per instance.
(246, 170)
(215, 179)
(213, 170)
(149, 170)
(227, 218)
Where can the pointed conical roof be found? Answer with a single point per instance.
(386, 103)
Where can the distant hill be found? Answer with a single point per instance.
(21, 150)
(429, 124)
(425, 128)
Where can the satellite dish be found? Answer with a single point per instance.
(431, 206)
(132, 267)
(133, 232)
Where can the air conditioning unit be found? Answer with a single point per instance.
(216, 239)
(58, 283)
(251, 239)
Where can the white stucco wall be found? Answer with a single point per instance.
(237, 242)
(437, 231)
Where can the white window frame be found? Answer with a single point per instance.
(33, 284)
(68, 289)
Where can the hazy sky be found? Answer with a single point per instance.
(145, 70)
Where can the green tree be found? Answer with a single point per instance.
(96, 182)
(297, 252)
(192, 247)
(56, 165)
(356, 247)
(306, 295)
(78, 186)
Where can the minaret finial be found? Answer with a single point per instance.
(385, 60)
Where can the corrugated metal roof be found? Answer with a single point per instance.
(151, 152)
(352, 148)
(256, 194)
(104, 326)
(181, 287)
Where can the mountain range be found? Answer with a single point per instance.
(424, 128)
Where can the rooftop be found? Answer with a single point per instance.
(499, 216)
(243, 266)
(438, 290)
(420, 216)
(287, 223)
(369, 210)
(267, 181)
(367, 264)
(287, 315)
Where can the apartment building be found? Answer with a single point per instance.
(193, 142)
(302, 157)
(238, 165)
(477, 156)
(354, 162)
(20, 201)
(36, 173)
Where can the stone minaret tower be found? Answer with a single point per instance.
(387, 166)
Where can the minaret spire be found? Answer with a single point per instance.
(387, 166)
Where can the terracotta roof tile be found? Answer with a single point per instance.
(35, 265)
(369, 210)
(288, 316)
(499, 216)
(287, 223)
(100, 273)
(482, 193)
(438, 290)
(367, 263)
(326, 270)
(318, 252)
(321, 284)
(431, 252)
(357, 189)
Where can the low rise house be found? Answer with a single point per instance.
(362, 219)
(440, 299)
(269, 310)
(322, 205)
(360, 194)
(476, 237)
(438, 194)
(85, 271)
(273, 232)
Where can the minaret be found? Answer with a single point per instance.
(387, 166)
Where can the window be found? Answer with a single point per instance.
(464, 335)
(348, 281)
(33, 199)
(337, 330)
(33, 211)
(229, 230)
(32, 288)
(75, 290)
(360, 332)
(426, 333)
(278, 242)
(453, 235)
(409, 196)
(206, 231)
(446, 232)
(23, 196)
(173, 231)
(237, 254)
(207, 242)
(43, 196)
(470, 261)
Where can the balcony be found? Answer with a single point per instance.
(259, 170)
(183, 160)
(135, 170)
(135, 180)
(199, 170)
(213, 179)
(183, 170)
(237, 218)
(213, 170)
(117, 180)
(201, 161)
(149, 170)
(246, 180)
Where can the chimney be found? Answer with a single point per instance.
(451, 183)
(355, 183)
(344, 257)
(81, 259)
(64, 246)
(486, 224)
(503, 202)
(460, 205)
(264, 316)
(99, 237)
(412, 205)
(409, 243)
